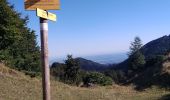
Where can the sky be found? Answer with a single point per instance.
(94, 27)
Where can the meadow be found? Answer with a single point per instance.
(15, 85)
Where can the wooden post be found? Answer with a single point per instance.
(44, 59)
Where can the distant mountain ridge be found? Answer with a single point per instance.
(85, 64)
(89, 65)
(156, 47)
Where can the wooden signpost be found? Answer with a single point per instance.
(41, 6)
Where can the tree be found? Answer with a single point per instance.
(136, 58)
(135, 45)
(137, 61)
(71, 71)
(18, 46)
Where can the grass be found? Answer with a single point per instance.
(20, 87)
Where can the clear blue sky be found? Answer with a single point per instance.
(90, 27)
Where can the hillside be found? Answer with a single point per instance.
(157, 74)
(90, 65)
(85, 64)
(21, 87)
(153, 48)
(156, 47)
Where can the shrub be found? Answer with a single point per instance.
(97, 78)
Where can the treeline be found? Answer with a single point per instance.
(70, 73)
(18, 46)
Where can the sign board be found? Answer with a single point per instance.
(47, 15)
(52, 16)
(42, 4)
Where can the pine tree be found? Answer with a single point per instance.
(18, 46)
(71, 71)
(136, 58)
(135, 45)
(136, 61)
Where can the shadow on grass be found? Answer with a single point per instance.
(151, 76)
(165, 97)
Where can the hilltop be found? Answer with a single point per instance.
(156, 47)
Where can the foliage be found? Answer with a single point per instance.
(113, 75)
(156, 60)
(135, 46)
(57, 70)
(18, 47)
(136, 59)
(97, 78)
(71, 71)
(118, 76)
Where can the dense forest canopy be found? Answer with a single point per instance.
(18, 46)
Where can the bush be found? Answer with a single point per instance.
(97, 78)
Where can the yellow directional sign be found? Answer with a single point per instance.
(47, 15)
(52, 16)
(42, 4)
(42, 13)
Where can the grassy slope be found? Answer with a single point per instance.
(16, 86)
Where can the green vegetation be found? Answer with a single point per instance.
(136, 61)
(135, 45)
(18, 47)
(68, 73)
(57, 70)
(71, 73)
(97, 78)
(118, 76)
(136, 58)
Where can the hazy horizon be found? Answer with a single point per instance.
(112, 58)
